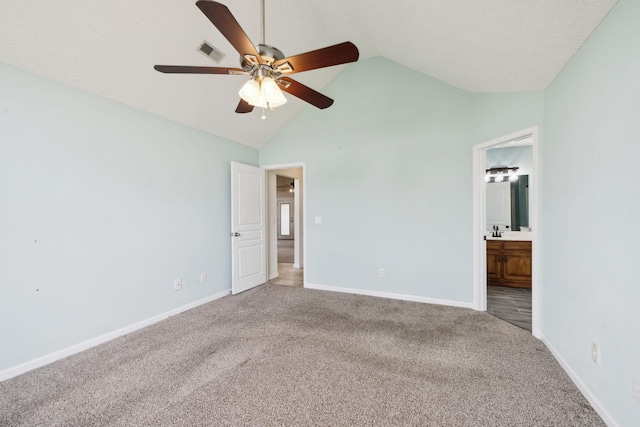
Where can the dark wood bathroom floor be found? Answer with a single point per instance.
(512, 305)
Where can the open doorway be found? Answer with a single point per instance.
(509, 245)
(497, 262)
(285, 226)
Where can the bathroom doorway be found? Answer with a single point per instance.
(491, 261)
(508, 246)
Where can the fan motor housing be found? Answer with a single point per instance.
(268, 53)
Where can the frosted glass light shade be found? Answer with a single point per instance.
(272, 93)
(250, 92)
(264, 94)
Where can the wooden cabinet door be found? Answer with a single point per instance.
(509, 263)
(494, 264)
(517, 269)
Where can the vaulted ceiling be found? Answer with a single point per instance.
(109, 48)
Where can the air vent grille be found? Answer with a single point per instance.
(211, 51)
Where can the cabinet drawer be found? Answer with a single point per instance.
(494, 244)
(515, 245)
(509, 245)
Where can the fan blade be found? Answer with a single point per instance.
(197, 70)
(221, 17)
(326, 57)
(244, 107)
(305, 93)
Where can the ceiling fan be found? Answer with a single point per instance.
(267, 66)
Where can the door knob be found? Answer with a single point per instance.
(235, 234)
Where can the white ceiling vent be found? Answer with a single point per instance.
(212, 52)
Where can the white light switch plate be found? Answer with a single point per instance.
(318, 220)
(595, 353)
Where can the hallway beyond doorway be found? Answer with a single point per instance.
(285, 251)
(289, 276)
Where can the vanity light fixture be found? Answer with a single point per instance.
(502, 173)
(291, 188)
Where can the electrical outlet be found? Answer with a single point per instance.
(203, 277)
(595, 353)
(636, 388)
(177, 284)
(382, 272)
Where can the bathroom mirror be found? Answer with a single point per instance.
(508, 204)
(520, 203)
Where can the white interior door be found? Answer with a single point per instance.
(248, 227)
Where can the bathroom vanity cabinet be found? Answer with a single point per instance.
(509, 263)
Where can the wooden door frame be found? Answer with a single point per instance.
(479, 223)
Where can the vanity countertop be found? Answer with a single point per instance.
(510, 235)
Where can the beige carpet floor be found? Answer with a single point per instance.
(287, 356)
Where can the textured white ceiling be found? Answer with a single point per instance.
(109, 47)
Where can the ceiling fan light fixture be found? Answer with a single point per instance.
(262, 93)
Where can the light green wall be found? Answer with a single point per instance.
(389, 170)
(101, 207)
(521, 156)
(498, 114)
(591, 210)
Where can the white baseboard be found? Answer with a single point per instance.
(297, 266)
(390, 295)
(61, 354)
(588, 394)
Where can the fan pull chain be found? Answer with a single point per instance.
(263, 115)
